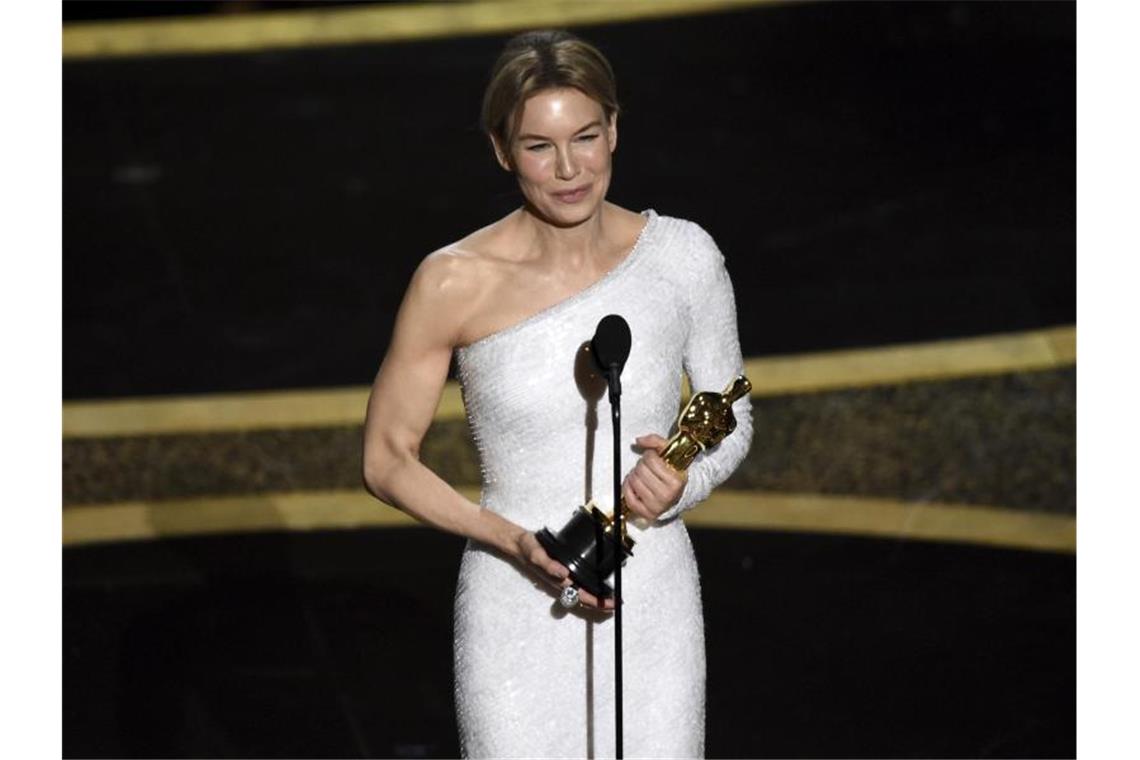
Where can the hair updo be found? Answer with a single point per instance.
(543, 60)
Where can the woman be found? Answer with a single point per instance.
(514, 302)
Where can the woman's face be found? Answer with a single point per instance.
(562, 155)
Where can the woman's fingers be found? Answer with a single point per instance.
(652, 487)
(555, 573)
(651, 441)
(635, 500)
(645, 485)
(659, 484)
(586, 599)
(555, 569)
(538, 557)
(663, 472)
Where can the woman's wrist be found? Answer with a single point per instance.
(504, 535)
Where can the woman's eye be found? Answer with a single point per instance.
(588, 138)
(537, 146)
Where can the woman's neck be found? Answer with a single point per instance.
(586, 242)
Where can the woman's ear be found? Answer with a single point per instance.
(500, 156)
(611, 128)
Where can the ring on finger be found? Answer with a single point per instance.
(569, 598)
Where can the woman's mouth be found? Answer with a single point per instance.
(573, 196)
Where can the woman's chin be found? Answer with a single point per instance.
(567, 214)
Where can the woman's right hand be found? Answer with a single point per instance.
(552, 571)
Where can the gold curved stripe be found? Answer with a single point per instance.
(884, 518)
(726, 509)
(221, 412)
(904, 363)
(1036, 349)
(324, 27)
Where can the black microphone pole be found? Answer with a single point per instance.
(610, 348)
(615, 414)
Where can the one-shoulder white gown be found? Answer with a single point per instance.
(532, 680)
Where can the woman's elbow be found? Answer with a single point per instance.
(380, 469)
(372, 476)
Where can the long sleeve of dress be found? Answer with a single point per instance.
(712, 358)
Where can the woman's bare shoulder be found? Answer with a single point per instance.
(466, 265)
(458, 280)
(446, 280)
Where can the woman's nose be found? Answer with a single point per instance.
(567, 167)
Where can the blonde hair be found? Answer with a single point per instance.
(543, 60)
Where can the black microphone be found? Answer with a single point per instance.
(610, 349)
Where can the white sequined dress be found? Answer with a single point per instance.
(532, 680)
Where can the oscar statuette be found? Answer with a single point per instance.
(586, 545)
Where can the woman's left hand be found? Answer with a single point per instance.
(652, 486)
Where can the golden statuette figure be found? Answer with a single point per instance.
(586, 545)
(704, 422)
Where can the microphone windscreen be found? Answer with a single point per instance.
(611, 343)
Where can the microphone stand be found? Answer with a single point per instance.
(614, 377)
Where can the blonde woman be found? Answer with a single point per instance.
(513, 302)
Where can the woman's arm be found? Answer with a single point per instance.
(402, 405)
(712, 359)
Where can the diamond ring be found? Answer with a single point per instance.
(568, 598)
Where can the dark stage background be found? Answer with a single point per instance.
(875, 173)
